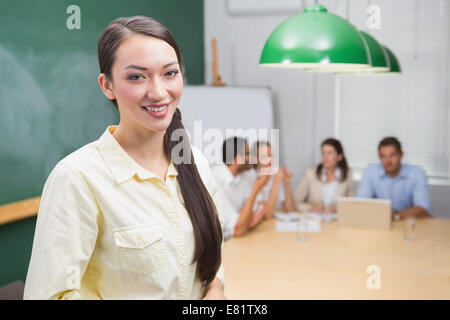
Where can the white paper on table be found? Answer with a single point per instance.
(313, 225)
(327, 217)
(286, 226)
(287, 216)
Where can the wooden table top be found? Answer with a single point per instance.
(332, 264)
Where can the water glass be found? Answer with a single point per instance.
(410, 229)
(302, 229)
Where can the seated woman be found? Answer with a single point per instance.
(322, 185)
(277, 193)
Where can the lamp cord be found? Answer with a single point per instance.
(415, 30)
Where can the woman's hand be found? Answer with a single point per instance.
(214, 291)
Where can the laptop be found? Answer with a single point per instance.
(364, 213)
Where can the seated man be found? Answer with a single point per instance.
(405, 185)
(238, 195)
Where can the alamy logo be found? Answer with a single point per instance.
(210, 142)
(73, 280)
(374, 280)
(74, 20)
(374, 19)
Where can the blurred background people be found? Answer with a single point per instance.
(239, 194)
(323, 184)
(277, 193)
(405, 185)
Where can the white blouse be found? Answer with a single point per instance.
(329, 191)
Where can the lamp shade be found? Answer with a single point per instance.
(379, 60)
(315, 39)
(393, 62)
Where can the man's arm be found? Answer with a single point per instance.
(417, 212)
(421, 198)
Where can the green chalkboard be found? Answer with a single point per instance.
(50, 103)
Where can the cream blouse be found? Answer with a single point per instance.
(109, 229)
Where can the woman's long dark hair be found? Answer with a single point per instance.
(196, 198)
(342, 164)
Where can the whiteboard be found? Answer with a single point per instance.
(208, 111)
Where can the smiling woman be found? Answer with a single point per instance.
(147, 90)
(120, 218)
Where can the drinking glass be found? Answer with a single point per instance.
(302, 229)
(410, 229)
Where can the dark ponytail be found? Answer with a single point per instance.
(342, 164)
(196, 198)
(198, 203)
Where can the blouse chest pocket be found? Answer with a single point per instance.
(141, 249)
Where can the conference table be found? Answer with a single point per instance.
(340, 263)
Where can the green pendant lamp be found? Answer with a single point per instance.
(393, 62)
(379, 60)
(315, 39)
(393, 66)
